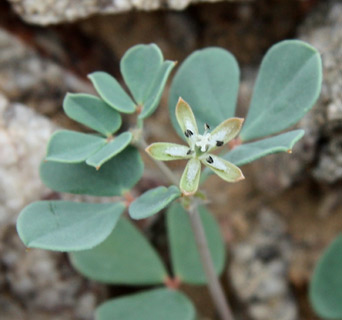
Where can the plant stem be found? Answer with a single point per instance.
(214, 285)
(161, 165)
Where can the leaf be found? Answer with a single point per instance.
(139, 67)
(125, 257)
(252, 151)
(208, 80)
(67, 226)
(156, 90)
(326, 282)
(288, 85)
(185, 257)
(111, 92)
(92, 112)
(116, 176)
(154, 304)
(152, 201)
(190, 177)
(110, 150)
(72, 147)
(249, 152)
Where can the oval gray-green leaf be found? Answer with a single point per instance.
(152, 201)
(109, 150)
(116, 176)
(139, 67)
(67, 226)
(186, 262)
(92, 112)
(156, 90)
(125, 257)
(72, 147)
(111, 92)
(154, 304)
(209, 81)
(249, 152)
(326, 282)
(288, 85)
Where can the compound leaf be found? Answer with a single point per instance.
(186, 262)
(109, 150)
(115, 177)
(111, 92)
(67, 226)
(288, 85)
(156, 90)
(249, 152)
(154, 304)
(252, 151)
(92, 112)
(152, 201)
(139, 67)
(145, 74)
(72, 147)
(209, 81)
(125, 257)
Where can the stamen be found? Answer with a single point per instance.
(219, 143)
(189, 152)
(206, 126)
(210, 159)
(188, 133)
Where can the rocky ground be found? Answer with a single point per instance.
(276, 222)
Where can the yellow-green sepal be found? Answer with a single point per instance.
(224, 169)
(185, 117)
(226, 131)
(190, 178)
(165, 151)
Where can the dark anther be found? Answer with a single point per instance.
(219, 143)
(207, 126)
(188, 133)
(189, 152)
(210, 159)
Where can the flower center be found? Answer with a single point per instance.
(203, 141)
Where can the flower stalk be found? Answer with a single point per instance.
(198, 152)
(214, 285)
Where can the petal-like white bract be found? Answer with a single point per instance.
(224, 169)
(165, 151)
(190, 178)
(224, 132)
(186, 118)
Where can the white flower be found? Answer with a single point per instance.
(200, 146)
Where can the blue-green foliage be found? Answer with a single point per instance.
(107, 247)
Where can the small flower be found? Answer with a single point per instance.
(198, 151)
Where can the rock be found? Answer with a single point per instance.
(34, 280)
(52, 11)
(23, 138)
(43, 282)
(323, 30)
(258, 271)
(36, 81)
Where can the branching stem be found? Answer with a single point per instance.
(214, 285)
